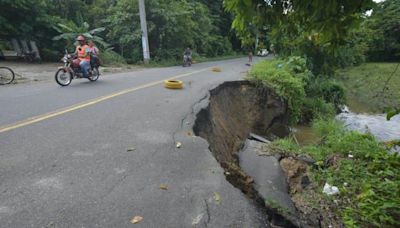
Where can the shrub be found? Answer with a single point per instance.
(278, 75)
(50, 55)
(327, 89)
(309, 97)
(315, 108)
(111, 57)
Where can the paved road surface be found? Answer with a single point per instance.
(64, 159)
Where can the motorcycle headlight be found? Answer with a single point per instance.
(64, 60)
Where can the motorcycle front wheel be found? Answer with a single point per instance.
(63, 78)
(95, 75)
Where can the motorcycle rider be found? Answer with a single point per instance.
(94, 51)
(188, 54)
(83, 53)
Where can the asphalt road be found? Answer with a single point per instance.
(64, 159)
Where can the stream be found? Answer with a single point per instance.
(376, 124)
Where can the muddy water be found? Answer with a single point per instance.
(376, 124)
(304, 135)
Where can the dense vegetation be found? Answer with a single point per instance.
(328, 34)
(173, 25)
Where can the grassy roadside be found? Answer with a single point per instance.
(364, 85)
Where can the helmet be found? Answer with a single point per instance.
(80, 38)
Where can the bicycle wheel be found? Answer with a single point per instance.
(6, 75)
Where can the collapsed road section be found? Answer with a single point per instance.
(235, 110)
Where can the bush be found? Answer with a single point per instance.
(315, 108)
(111, 57)
(327, 89)
(50, 55)
(279, 76)
(309, 97)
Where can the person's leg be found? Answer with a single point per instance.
(85, 65)
(94, 61)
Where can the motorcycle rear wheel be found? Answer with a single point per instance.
(95, 75)
(63, 78)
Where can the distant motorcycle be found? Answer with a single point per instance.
(187, 60)
(72, 70)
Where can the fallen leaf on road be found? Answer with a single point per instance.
(217, 197)
(178, 145)
(136, 219)
(163, 186)
(190, 133)
(131, 149)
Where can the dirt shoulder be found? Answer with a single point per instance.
(42, 72)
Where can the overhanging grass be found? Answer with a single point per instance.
(276, 75)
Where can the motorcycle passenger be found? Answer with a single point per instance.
(82, 51)
(188, 54)
(94, 51)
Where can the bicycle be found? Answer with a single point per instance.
(7, 75)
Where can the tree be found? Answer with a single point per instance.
(317, 29)
(384, 30)
(172, 26)
(70, 31)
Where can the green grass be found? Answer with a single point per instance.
(278, 75)
(371, 197)
(365, 83)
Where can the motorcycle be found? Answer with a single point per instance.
(187, 60)
(72, 70)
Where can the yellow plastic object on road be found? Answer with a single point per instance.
(173, 84)
(216, 69)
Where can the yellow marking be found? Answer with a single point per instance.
(49, 115)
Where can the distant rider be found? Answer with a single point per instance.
(83, 53)
(188, 54)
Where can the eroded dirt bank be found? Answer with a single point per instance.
(235, 110)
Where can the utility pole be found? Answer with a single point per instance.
(143, 25)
